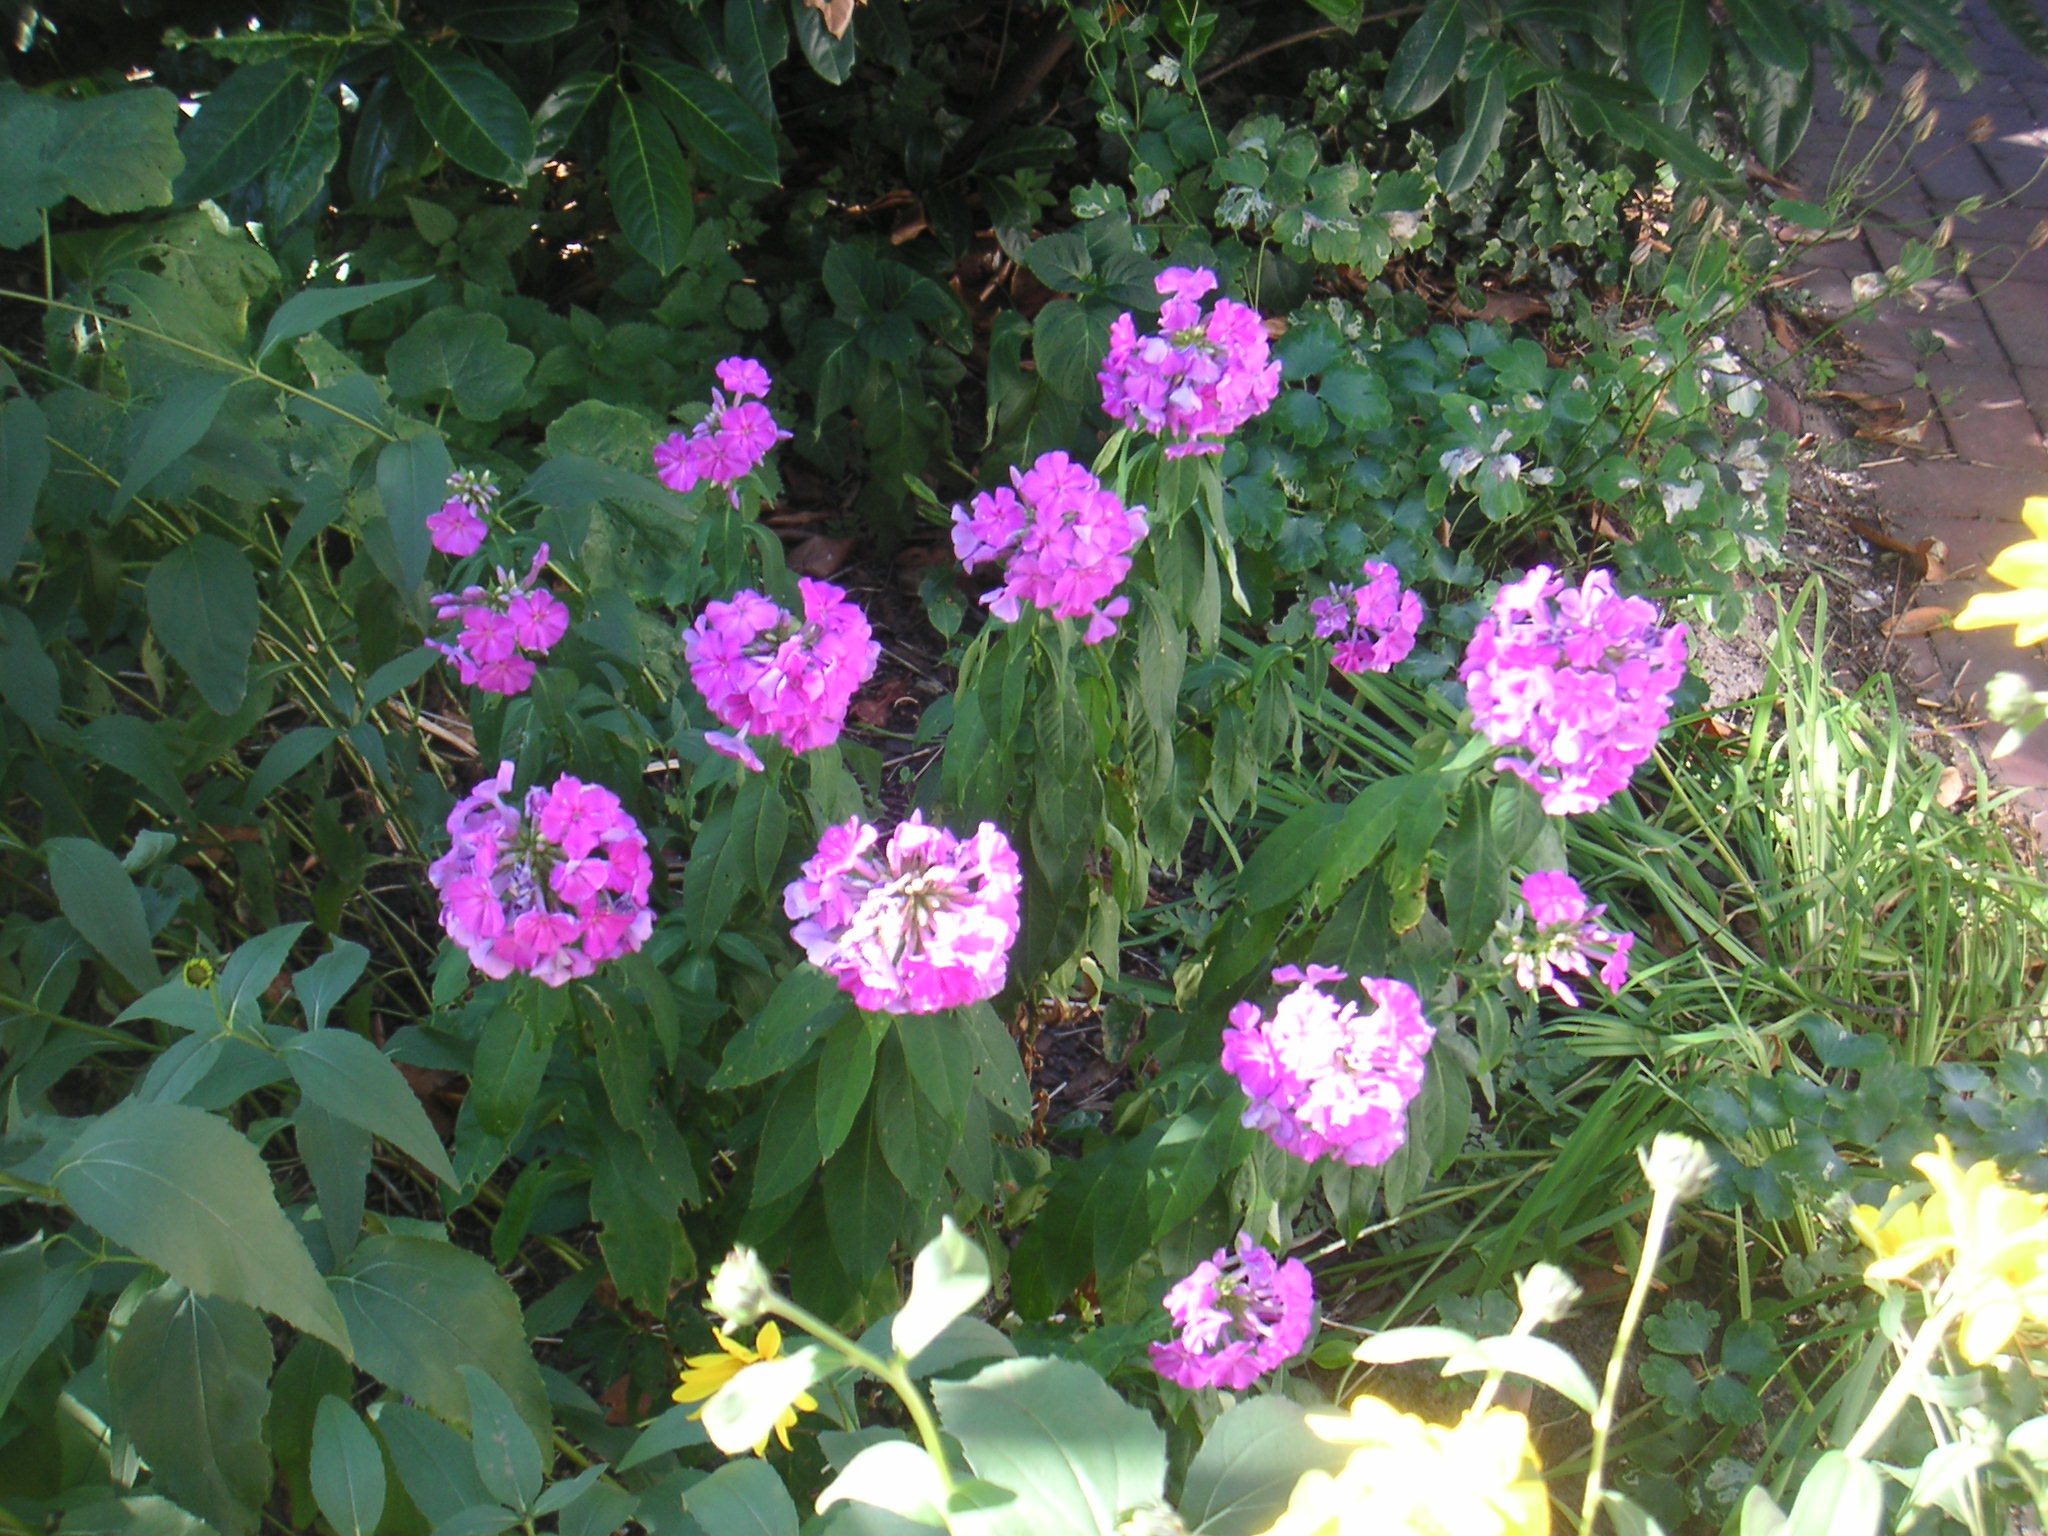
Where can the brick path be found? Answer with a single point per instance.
(1985, 400)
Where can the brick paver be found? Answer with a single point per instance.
(1986, 385)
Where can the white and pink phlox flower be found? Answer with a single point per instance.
(765, 672)
(459, 527)
(1568, 938)
(1200, 377)
(1374, 624)
(1236, 1317)
(1063, 539)
(921, 921)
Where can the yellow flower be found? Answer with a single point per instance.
(1992, 1237)
(1408, 1477)
(703, 1375)
(2023, 567)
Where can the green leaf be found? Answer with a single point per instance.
(350, 1078)
(242, 125)
(650, 184)
(1842, 1496)
(459, 355)
(116, 153)
(508, 1460)
(347, 1469)
(310, 308)
(1774, 34)
(419, 1310)
(1241, 1478)
(309, 1373)
(1076, 1455)
(412, 474)
(864, 1205)
(1062, 262)
(1357, 398)
(471, 113)
(1284, 863)
(337, 1158)
(24, 466)
(1673, 45)
(297, 176)
(756, 40)
(326, 981)
(433, 1462)
(805, 1003)
(713, 119)
(1486, 113)
(674, 1429)
(742, 1498)
(831, 57)
(1426, 60)
(633, 1199)
(36, 1303)
(1526, 1355)
(1397, 1346)
(568, 481)
(203, 606)
(512, 21)
(949, 1277)
(1684, 1327)
(2025, 24)
(190, 1379)
(180, 419)
(512, 1056)
(846, 1069)
(98, 898)
(292, 751)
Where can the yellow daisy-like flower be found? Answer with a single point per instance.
(704, 1375)
(2023, 567)
(1408, 1477)
(1992, 1237)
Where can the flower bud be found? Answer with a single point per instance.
(1676, 1165)
(1152, 1520)
(1547, 1294)
(741, 1288)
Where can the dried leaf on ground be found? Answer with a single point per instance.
(1924, 620)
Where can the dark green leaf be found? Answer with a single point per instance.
(805, 1003)
(203, 606)
(713, 119)
(460, 355)
(568, 481)
(471, 113)
(412, 483)
(1241, 1478)
(292, 751)
(1426, 60)
(190, 1379)
(178, 422)
(337, 1158)
(24, 465)
(1283, 865)
(98, 898)
(791, 1147)
(832, 57)
(310, 308)
(650, 184)
(326, 981)
(1673, 46)
(1774, 34)
(36, 1303)
(185, 1192)
(295, 178)
(512, 1056)
(433, 1462)
(419, 1310)
(243, 125)
(864, 1205)
(347, 1076)
(508, 1460)
(512, 21)
(347, 1469)
(1486, 113)
(1062, 262)
(756, 40)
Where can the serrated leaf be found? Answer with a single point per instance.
(98, 898)
(650, 184)
(347, 1469)
(713, 119)
(242, 125)
(471, 113)
(183, 1190)
(460, 355)
(350, 1078)
(203, 606)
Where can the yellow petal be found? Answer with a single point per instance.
(1988, 610)
(1988, 1329)
(768, 1342)
(2021, 565)
(2034, 513)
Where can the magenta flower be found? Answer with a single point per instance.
(1200, 378)
(459, 527)
(1236, 1318)
(1064, 541)
(733, 438)
(553, 886)
(766, 673)
(1325, 1080)
(1377, 621)
(923, 922)
(1578, 682)
(1568, 938)
(501, 628)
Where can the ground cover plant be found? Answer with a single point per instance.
(634, 639)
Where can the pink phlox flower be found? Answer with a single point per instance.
(1577, 682)
(1063, 539)
(765, 672)
(919, 922)
(459, 527)
(731, 439)
(1200, 378)
(1568, 938)
(550, 887)
(497, 624)
(1324, 1078)
(1374, 623)
(1236, 1317)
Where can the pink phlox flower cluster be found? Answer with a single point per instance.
(1325, 1079)
(1568, 938)
(1199, 377)
(921, 922)
(1064, 542)
(1235, 1318)
(1577, 681)
(503, 627)
(553, 886)
(459, 527)
(1377, 620)
(734, 436)
(766, 673)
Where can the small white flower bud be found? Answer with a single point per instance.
(741, 1288)
(1676, 1165)
(1547, 1294)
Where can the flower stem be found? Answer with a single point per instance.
(1912, 1367)
(1661, 1205)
